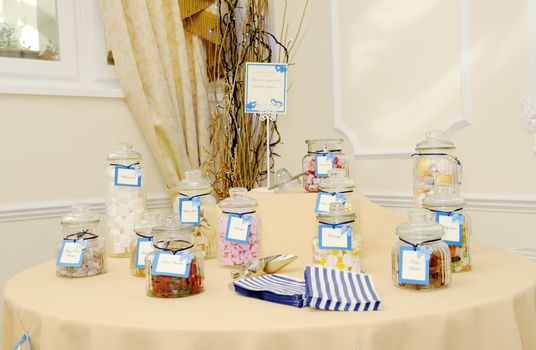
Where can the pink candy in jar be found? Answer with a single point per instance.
(322, 156)
(238, 229)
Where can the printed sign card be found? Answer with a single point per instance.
(127, 176)
(266, 88)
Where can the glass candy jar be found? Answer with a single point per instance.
(141, 243)
(175, 268)
(82, 252)
(434, 164)
(337, 244)
(196, 206)
(447, 209)
(125, 201)
(239, 229)
(420, 259)
(336, 187)
(322, 155)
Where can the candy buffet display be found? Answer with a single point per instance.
(141, 243)
(434, 164)
(175, 268)
(337, 244)
(322, 156)
(81, 253)
(420, 258)
(125, 201)
(336, 187)
(196, 206)
(239, 229)
(447, 209)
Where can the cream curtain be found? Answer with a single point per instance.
(163, 75)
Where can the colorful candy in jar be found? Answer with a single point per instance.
(447, 208)
(434, 164)
(142, 242)
(322, 156)
(196, 206)
(238, 229)
(161, 286)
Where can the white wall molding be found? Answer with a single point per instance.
(485, 202)
(47, 210)
(458, 122)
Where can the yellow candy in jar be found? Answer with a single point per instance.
(444, 179)
(424, 166)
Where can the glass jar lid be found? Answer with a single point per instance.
(324, 145)
(420, 227)
(435, 139)
(443, 196)
(337, 214)
(337, 181)
(144, 227)
(171, 227)
(80, 214)
(193, 180)
(238, 199)
(283, 179)
(124, 151)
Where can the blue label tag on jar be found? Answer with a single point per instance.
(238, 228)
(144, 246)
(324, 163)
(71, 253)
(414, 265)
(169, 264)
(324, 199)
(190, 211)
(452, 222)
(335, 236)
(127, 176)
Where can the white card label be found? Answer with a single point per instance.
(145, 246)
(453, 228)
(323, 201)
(237, 229)
(125, 176)
(323, 165)
(338, 237)
(169, 264)
(414, 268)
(189, 212)
(71, 254)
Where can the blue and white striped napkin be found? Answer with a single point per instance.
(333, 289)
(275, 288)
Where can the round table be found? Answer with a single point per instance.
(492, 307)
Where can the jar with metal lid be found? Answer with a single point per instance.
(175, 268)
(420, 258)
(337, 243)
(125, 201)
(447, 209)
(435, 163)
(196, 206)
(81, 253)
(322, 156)
(141, 243)
(239, 229)
(336, 187)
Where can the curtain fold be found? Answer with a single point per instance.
(162, 70)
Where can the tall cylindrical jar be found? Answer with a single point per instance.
(435, 163)
(420, 258)
(125, 202)
(322, 156)
(141, 243)
(337, 243)
(175, 268)
(196, 206)
(81, 252)
(447, 209)
(239, 229)
(336, 187)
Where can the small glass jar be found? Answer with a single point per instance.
(420, 258)
(141, 243)
(435, 163)
(196, 206)
(80, 227)
(125, 201)
(337, 243)
(322, 155)
(447, 209)
(336, 187)
(175, 268)
(239, 229)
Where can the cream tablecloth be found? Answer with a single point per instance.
(492, 307)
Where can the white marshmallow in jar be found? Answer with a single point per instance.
(125, 200)
(196, 206)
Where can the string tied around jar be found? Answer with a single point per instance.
(419, 248)
(158, 245)
(82, 235)
(239, 214)
(337, 224)
(194, 196)
(458, 217)
(438, 154)
(125, 166)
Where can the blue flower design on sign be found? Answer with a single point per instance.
(276, 102)
(281, 68)
(251, 105)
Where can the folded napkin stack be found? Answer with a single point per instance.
(323, 288)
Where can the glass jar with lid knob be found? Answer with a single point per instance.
(336, 187)
(125, 201)
(447, 209)
(337, 243)
(82, 252)
(322, 156)
(196, 206)
(175, 268)
(141, 243)
(420, 258)
(239, 229)
(435, 163)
